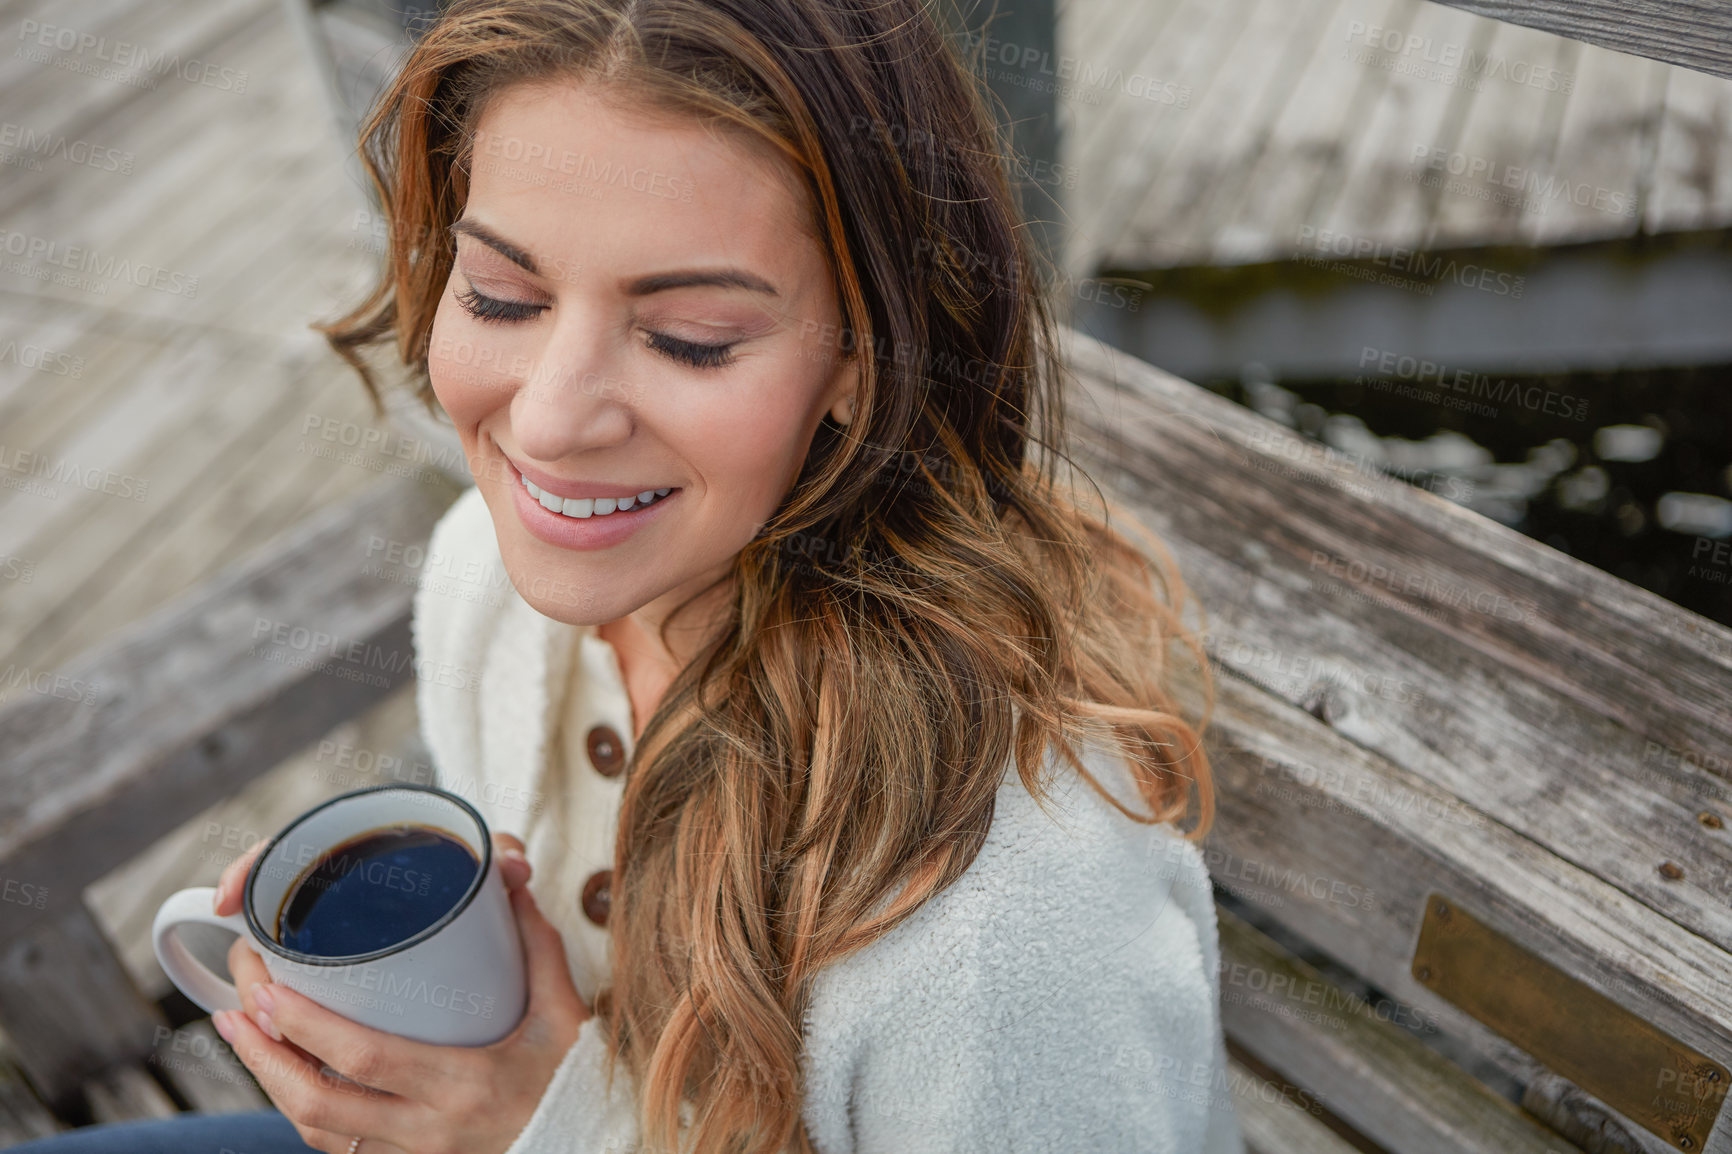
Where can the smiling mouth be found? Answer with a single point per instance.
(580, 508)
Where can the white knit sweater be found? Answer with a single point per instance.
(1062, 996)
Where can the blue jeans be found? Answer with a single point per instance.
(256, 1132)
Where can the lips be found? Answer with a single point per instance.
(585, 523)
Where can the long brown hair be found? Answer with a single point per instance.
(932, 598)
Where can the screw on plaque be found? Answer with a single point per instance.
(1711, 820)
(1670, 871)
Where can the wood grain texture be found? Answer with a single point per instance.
(1274, 1126)
(1385, 1083)
(194, 854)
(1502, 671)
(1694, 33)
(69, 1007)
(1347, 864)
(126, 1094)
(206, 694)
(204, 1070)
(1317, 126)
(22, 1115)
(1413, 697)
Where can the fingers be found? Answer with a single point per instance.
(308, 1096)
(372, 1057)
(247, 970)
(552, 997)
(513, 861)
(228, 887)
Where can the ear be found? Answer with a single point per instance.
(844, 391)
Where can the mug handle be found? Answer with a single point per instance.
(195, 979)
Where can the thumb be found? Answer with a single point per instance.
(551, 991)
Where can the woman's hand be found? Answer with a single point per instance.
(403, 1095)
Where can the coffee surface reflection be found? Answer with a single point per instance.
(374, 891)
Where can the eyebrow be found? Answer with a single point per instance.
(642, 286)
(497, 243)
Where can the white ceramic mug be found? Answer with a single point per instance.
(459, 982)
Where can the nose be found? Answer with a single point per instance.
(576, 398)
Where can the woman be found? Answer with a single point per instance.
(835, 731)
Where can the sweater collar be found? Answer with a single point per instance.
(534, 667)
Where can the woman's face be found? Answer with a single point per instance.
(635, 306)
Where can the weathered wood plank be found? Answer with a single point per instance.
(192, 191)
(194, 854)
(1600, 172)
(22, 1115)
(1692, 180)
(203, 506)
(205, 1071)
(1382, 192)
(1470, 679)
(208, 692)
(1584, 1120)
(1499, 669)
(1271, 1125)
(68, 1006)
(1694, 33)
(1377, 80)
(1311, 131)
(1226, 137)
(1509, 125)
(1386, 1084)
(1118, 145)
(126, 1094)
(51, 99)
(1344, 847)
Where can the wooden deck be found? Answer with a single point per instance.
(194, 400)
(203, 410)
(1207, 132)
(173, 426)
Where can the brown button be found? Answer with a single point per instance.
(596, 898)
(606, 752)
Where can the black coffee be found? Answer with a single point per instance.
(375, 890)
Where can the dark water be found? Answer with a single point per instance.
(1628, 471)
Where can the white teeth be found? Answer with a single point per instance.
(581, 507)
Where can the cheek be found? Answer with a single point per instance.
(473, 369)
(748, 444)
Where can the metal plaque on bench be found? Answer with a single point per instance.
(1626, 1062)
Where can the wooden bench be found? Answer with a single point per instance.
(1416, 703)
(1468, 786)
(183, 709)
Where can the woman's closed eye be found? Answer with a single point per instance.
(690, 352)
(488, 308)
(696, 354)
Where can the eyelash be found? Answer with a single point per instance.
(696, 355)
(492, 310)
